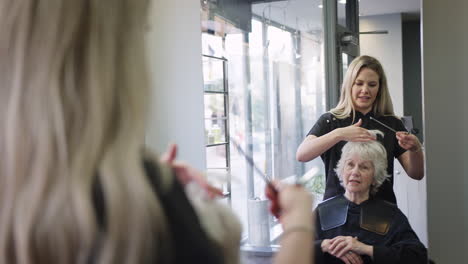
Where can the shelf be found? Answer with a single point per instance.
(214, 57)
(217, 144)
(215, 92)
(216, 118)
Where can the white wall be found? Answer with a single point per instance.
(176, 113)
(445, 111)
(387, 48)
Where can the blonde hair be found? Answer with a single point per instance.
(370, 150)
(73, 88)
(383, 102)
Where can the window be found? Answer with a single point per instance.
(216, 118)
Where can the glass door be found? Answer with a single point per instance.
(347, 34)
(342, 43)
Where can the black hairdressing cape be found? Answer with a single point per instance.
(374, 222)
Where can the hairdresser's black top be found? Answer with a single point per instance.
(395, 243)
(190, 244)
(328, 122)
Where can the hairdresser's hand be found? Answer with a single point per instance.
(408, 141)
(186, 173)
(354, 133)
(293, 203)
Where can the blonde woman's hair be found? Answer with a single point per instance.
(370, 150)
(383, 103)
(73, 88)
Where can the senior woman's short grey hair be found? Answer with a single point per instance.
(371, 150)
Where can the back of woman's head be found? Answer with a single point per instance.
(383, 103)
(73, 88)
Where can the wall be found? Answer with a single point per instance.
(445, 111)
(176, 113)
(412, 73)
(387, 48)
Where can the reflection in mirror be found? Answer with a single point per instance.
(275, 79)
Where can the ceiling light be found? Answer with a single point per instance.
(320, 6)
(342, 1)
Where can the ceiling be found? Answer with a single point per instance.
(379, 7)
(306, 15)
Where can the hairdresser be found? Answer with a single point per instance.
(364, 104)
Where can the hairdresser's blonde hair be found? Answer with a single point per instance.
(383, 103)
(73, 88)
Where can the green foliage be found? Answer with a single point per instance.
(315, 184)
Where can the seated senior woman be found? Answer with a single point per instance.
(358, 228)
